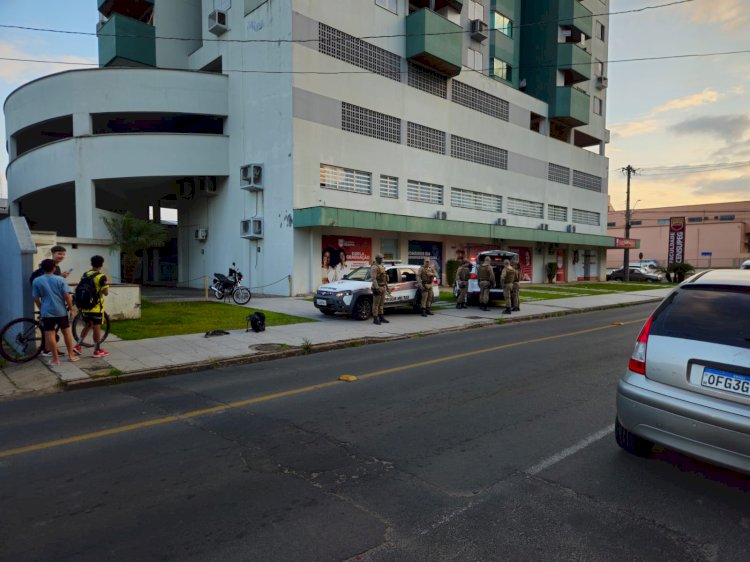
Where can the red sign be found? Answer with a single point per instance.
(626, 242)
(343, 254)
(676, 247)
(524, 260)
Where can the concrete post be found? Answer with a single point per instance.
(85, 203)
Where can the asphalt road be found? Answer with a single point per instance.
(490, 444)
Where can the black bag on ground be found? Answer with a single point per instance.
(257, 321)
(86, 296)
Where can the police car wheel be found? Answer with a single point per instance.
(362, 309)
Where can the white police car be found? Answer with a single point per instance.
(353, 294)
(497, 259)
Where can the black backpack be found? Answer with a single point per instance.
(257, 322)
(86, 296)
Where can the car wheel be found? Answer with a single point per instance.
(362, 309)
(631, 442)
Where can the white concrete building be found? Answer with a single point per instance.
(280, 128)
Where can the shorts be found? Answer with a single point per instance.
(94, 318)
(52, 323)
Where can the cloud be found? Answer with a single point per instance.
(19, 72)
(729, 14)
(728, 128)
(732, 188)
(702, 98)
(635, 128)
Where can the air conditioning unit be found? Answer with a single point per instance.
(571, 228)
(441, 215)
(201, 233)
(601, 82)
(187, 188)
(217, 22)
(501, 222)
(252, 229)
(206, 185)
(251, 177)
(544, 226)
(478, 30)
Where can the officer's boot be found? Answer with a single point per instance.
(376, 320)
(384, 320)
(458, 305)
(424, 313)
(429, 312)
(507, 310)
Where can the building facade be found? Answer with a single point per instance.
(716, 235)
(285, 132)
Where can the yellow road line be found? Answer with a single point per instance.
(284, 394)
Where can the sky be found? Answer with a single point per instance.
(665, 116)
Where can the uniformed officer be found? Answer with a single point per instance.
(517, 287)
(426, 277)
(379, 289)
(462, 276)
(507, 277)
(486, 277)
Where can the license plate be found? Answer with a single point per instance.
(321, 302)
(723, 380)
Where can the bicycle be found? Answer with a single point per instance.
(22, 339)
(79, 324)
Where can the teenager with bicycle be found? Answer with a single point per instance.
(90, 294)
(51, 296)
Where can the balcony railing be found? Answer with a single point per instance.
(575, 61)
(574, 14)
(124, 41)
(435, 42)
(571, 106)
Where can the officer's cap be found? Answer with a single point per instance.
(379, 255)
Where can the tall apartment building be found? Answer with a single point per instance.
(284, 132)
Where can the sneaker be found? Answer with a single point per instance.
(77, 349)
(101, 353)
(46, 353)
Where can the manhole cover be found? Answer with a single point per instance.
(269, 347)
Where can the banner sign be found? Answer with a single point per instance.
(676, 247)
(420, 250)
(626, 242)
(342, 255)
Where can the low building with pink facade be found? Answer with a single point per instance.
(716, 235)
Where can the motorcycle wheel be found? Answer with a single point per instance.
(218, 293)
(241, 295)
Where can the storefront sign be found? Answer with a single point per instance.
(676, 247)
(524, 258)
(420, 250)
(343, 254)
(625, 243)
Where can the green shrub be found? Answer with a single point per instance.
(451, 267)
(551, 271)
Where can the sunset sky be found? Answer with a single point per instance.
(663, 114)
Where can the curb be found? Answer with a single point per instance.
(185, 368)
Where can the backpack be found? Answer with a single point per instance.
(257, 322)
(86, 296)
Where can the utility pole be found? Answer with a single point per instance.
(626, 259)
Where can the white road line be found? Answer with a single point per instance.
(565, 453)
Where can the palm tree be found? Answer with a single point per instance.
(131, 234)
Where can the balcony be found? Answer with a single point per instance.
(573, 14)
(571, 106)
(124, 41)
(575, 63)
(136, 9)
(439, 4)
(434, 42)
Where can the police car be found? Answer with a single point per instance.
(497, 259)
(353, 294)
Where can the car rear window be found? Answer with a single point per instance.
(706, 313)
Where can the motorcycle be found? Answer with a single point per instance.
(225, 286)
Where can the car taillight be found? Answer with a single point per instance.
(637, 362)
(473, 276)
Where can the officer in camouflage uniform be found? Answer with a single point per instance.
(516, 300)
(379, 289)
(462, 276)
(486, 277)
(507, 277)
(426, 277)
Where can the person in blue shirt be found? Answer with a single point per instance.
(51, 295)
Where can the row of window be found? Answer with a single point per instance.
(357, 181)
(663, 222)
(561, 174)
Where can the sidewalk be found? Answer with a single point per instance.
(131, 360)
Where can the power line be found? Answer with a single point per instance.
(209, 39)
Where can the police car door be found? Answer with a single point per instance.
(402, 283)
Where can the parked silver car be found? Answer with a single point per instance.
(687, 386)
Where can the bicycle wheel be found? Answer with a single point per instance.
(21, 340)
(79, 324)
(242, 295)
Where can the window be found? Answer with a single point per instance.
(476, 10)
(342, 46)
(478, 100)
(428, 81)
(599, 68)
(662, 221)
(389, 248)
(601, 31)
(425, 138)
(557, 213)
(502, 70)
(389, 187)
(525, 208)
(473, 151)
(693, 219)
(344, 179)
(587, 181)
(585, 217)
(474, 60)
(611, 224)
(559, 174)
(502, 24)
(370, 123)
(726, 218)
(598, 106)
(390, 5)
(476, 200)
(636, 223)
(424, 192)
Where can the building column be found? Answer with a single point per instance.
(85, 204)
(82, 126)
